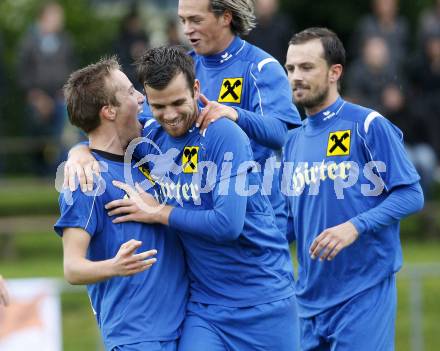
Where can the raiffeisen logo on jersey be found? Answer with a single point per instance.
(230, 90)
(190, 159)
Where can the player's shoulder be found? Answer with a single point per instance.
(367, 119)
(261, 60)
(226, 130)
(150, 127)
(78, 200)
(357, 113)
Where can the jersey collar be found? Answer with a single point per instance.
(226, 55)
(324, 118)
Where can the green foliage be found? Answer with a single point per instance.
(28, 196)
(92, 33)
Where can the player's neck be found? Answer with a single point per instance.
(108, 142)
(330, 100)
(225, 41)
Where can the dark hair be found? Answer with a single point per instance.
(158, 66)
(243, 17)
(89, 89)
(334, 52)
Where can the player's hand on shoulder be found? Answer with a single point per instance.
(80, 165)
(332, 240)
(128, 262)
(212, 111)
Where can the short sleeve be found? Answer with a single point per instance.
(78, 210)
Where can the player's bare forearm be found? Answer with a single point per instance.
(79, 270)
(82, 271)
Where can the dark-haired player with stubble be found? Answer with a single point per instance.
(348, 183)
(241, 275)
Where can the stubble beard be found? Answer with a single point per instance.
(317, 100)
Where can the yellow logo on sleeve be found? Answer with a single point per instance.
(231, 90)
(190, 159)
(339, 143)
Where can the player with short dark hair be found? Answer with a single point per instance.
(136, 309)
(241, 82)
(348, 183)
(238, 261)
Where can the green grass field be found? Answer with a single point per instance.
(40, 255)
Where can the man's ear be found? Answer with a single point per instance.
(108, 112)
(335, 73)
(196, 89)
(226, 18)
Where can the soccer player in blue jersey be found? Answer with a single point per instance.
(241, 82)
(241, 277)
(137, 308)
(348, 183)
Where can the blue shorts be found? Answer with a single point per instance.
(148, 346)
(270, 326)
(365, 322)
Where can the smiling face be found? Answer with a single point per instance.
(130, 104)
(207, 34)
(313, 81)
(175, 106)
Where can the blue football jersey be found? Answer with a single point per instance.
(236, 255)
(342, 162)
(255, 84)
(148, 306)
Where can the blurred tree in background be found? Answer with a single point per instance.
(92, 33)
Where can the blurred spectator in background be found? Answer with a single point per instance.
(373, 80)
(386, 23)
(132, 41)
(424, 75)
(172, 34)
(429, 21)
(45, 60)
(273, 30)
